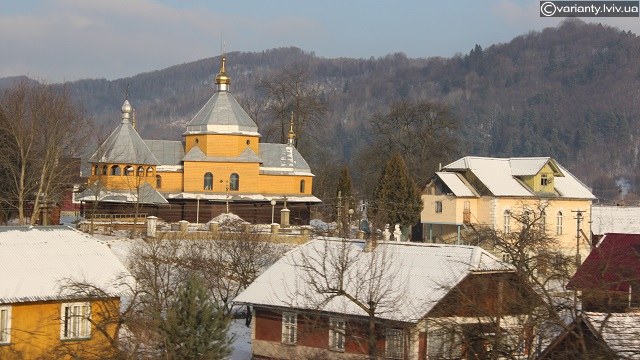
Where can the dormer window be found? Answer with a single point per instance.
(544, 180)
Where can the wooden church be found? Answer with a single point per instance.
(220, 166)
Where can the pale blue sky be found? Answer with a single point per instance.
(56, 40)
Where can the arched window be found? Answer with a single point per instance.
(149, 171)
(559, 223)
(105, 170)
(96, 170)
(115, 170)
(140, 171)
(234, 182)
(208, 181)
(158, 181)
(507, 221)
(302, 186)
(128, 170)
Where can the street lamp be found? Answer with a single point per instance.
(273, 209)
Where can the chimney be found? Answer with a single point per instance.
(370, 244)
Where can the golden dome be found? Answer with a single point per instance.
(222, 78)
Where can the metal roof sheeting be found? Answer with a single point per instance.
(168, 152)
(615, 219)
(124, 146)
(414, 276)
(456, 184)
(37, 262)
(222, 115)
(620, 331)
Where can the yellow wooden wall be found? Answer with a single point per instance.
(35, 332)
(194, 176)
(171, 181)
(222, 145)
(534, 182)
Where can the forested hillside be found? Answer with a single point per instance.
(570, 92)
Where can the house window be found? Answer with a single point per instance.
(337, 331)
(234, 182)
(115, 170)
(289, 328)
(208, 181)
(438, 206)
(5, 324)
(394, 344)
(158, 181)
(444, 344)
(559, 223)
(544, 180)
(302, 186)
(507, 221)
(75, 321)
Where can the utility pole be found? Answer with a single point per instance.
(578, 218)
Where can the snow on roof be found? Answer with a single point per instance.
(146, 193)
(37, 261)
(415, 276)
(615, 219)
(499, 175)
(620, 331)
(456, 184)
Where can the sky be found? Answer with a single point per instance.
(66, 40)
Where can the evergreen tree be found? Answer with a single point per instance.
(344, 183)
(343, 193)
(396, 198)
(195, 327)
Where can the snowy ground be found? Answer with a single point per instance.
(241, 340)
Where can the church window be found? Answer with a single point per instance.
(96, 170)
(149, 171)
(115, 170)
(234, 182)
(128, 170)
(158, 181)
(208, 181)
(105, 170)
(302, 186)
(248, 142)
(140, 171)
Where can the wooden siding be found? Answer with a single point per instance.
(222, 145)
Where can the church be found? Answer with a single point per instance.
(220, 166)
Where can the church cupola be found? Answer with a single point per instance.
(222, 79)
(291, 137)
(126, 112)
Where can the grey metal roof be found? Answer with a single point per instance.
(222, 115)
(168, 152)
(148, 195)
(282, 159)
(37, 261)
(124, 146)
(195, 154)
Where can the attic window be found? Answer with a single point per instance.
(248, 142)
(544, 180)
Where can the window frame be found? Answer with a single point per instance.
(506, 217)
(74, 326)
(559, 223)
(5, 324)
(394, 343)
(208, 181)
(234, 182)
(337, 333)
(289, 334)
(438, 208)
(302, 186)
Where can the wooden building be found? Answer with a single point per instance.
(220, 166)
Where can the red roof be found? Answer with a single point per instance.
(611, 266)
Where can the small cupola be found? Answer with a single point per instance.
(291, 137)
(126, 112)
(222, 79)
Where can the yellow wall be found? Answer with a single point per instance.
(171, 181)
(534, 182)
(194, 176)
(222, 145)
(285, 184)
(35, 331)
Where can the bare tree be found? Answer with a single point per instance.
(41, 129)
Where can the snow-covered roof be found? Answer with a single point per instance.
(124, 146)
(620, 331)
(37, 261)
(500, 176)
(222, 115)
(146, 194)
(615, 219)
(456, 184)
(282, 159)
(414, 276)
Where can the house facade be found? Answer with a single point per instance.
(221, 164)
(40, 317)
(479, 192)
(340, 299)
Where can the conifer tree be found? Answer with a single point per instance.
(195, 327)
(396, 198)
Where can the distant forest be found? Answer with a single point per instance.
(570, 92)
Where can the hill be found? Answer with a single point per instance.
(570, 92)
